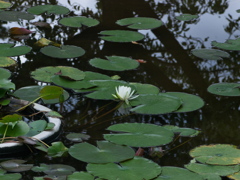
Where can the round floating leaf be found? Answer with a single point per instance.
(211, 54)
(4, 73)
(80, 175)
(145, 88)
(20, 128)
(185, 132)
(4, 4)
(121, 36)
(54, 169)
(190, 102)
(138, 169)
(186, 17)
(78, 21)
(8, 49)
(225, 89)
(7, 61)
(235, 176)
(49, 9)
(139, 135)
(219, 154)
(44, 74)
(230, 44)
(36, 127)
(140, 23)
(65, 51)
(15, 165)
(15, 16)
(212, 169)
(114, 63)
(6, 84)
(57, 149)
(105, 152)
(176, 173)
(51, 92)
(77, 137)
(155, 104)
(14, 176)
(11, 118)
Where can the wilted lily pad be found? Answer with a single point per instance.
(186, 17)
(211, 54)
(140, 22)
(49, 9)
(139, 135)
(15, 165)
(121, 36)
(176, 173)
(4, 4)
(15, 16)
(230, 44)
(225, 89)
(79, 21)
(54, 169)
(105, 152)
(8, 49)
(45, 42)
(138, 169)
(77, 137)
(219, 154)
(81, 175)
(114, 63)
(65, 51)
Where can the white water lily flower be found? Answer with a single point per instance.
(125, 93)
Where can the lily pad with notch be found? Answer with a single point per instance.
(15, 16)
(8, 49)
(19, 128)
(63, 52)
(186, 17)
(185, 132)
(139, 135)
(225, 89)
(140, 23)
(57, 149)
(49, 9)
(105, 152)
(78, 21)
(54, 169)
(132, 169)
(114, 63)
(210, 54)
(216, 154)
(230, 44)
(121, 36)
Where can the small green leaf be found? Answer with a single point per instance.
(57, 149)
(225, 89)
(79, 21)
(11, 118)
(49, 9)
(36, 127)
(54, 169)
(81, 175)
(53, 114)
(210, 54)
(8, 49)
(20, 128)
(77, 137)
(186, 17)
(230, 44)
(51, 92)
(4, 4)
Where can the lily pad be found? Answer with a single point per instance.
(121, 36)
(155, 104)
(114, 63)
(77, 137)
(235, 176)
(81, 175)
(54, 169)
(176, 173)
(36, 127)
(139, 135)
(205, 169)
(57, 149)
(218, 154)
(49, 9)
(19, 129)
(6, 84)
(15, 165)
(140, 23)
(145, 88)
(186, 17)
(230, 44)
(65, 51)
(4, 73)
(105, 152)
(185, 132)
(79, 21)
(7, 61)
(8, 49)
(4, 4)
(190, 102)
(45, 74)
(13, 176)
(210, 54)
(138, 169)
(15, 16)
(225, 89)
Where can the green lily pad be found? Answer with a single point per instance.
(210, 54)
(6, 84)
(176, 173)
(11, 118)
(8, 49)
(15, 165)
(65, 51)
(79, 21)
(7, 61)
(225, 89)
(44, 74)
(53, 114)
(14, 176)
(185, 132)
(155, 104)
(51, 92)
(140, 23)
(49, 9)
(19, 129)
(218, 154)
(4, 4)
(81, 175)
(36, 127)
(77, 137)
(105, 152)
(114, 63)
(230, 44)
(205, 169)
(235, 176)
(57, 149)
(54, 169)
(139, 135)
(15, 16)
(138, 169)
(186, 17)
(190, 102)
(4, 73)
(145, 88)
(121, 36)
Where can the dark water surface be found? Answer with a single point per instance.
(170, 66)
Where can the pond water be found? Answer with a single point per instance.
(170, 66)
